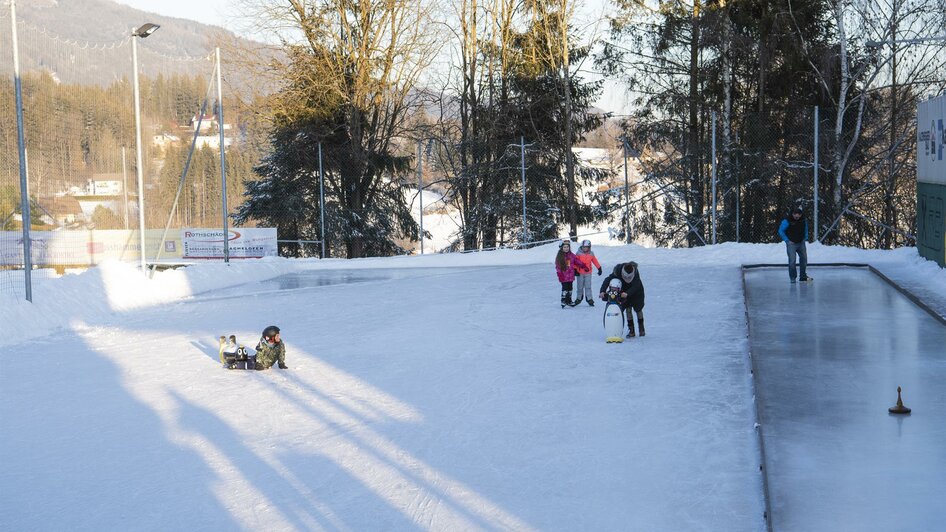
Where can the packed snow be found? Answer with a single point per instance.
(436, 392)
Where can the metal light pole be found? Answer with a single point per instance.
(142, 32)
(125, 186)
(25, 215)
(522, 167)
(713, 160)
(627, 197)
(223, 161)
(321, 202)
(420, 193)
(815, 233)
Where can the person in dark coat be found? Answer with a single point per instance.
(794, 232)
(632, 294)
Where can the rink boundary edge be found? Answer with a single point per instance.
(763, 467)
(918, 301)
(752, 367)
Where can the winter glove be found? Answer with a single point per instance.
(601, 296)
(599, 270)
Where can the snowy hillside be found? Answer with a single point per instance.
(445, 392)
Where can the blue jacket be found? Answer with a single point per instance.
(793, 229)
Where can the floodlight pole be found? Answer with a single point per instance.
(223, 160)
(627, 197)
(125, 186)
(321, 202)
(713, 160)
(522, 169)
(142, 32)
(815, 166)
(25, 215)
(420, 192)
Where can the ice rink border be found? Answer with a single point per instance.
(752, 368)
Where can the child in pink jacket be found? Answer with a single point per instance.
(566, 263)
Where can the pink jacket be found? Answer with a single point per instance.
(569, 273)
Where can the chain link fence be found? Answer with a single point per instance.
(729, 182)
(743, 177)
(88, 201)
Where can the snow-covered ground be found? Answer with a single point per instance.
(442, 392)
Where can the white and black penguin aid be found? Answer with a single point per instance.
(613, 315)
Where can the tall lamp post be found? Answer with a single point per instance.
(142, 32)
(25, 216)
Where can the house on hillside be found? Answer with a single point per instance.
(61, 210)
(104, 185)
(207, 122)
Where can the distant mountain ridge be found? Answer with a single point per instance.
(86, 41)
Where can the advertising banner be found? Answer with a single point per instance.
(931, 141)
(84, 247)
(79, 248)
(244, 243)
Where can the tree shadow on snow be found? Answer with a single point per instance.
(83, 453)
(307, 492)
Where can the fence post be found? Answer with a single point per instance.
(522, 168)
(816, 175)
(713, 161)
(25, 215)
(223, 161)
(125, 186)
(321, 204)
(420, 193)
(627, 196)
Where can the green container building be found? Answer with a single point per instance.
(931, 180)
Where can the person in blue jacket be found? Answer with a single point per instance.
(794, 231)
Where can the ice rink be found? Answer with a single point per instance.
(829, 356)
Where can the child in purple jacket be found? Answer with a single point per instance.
(566, 263)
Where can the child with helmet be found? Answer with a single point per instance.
(566, 264)
(587, 259)
(271, 349)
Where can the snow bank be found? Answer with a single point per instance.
(116, 287)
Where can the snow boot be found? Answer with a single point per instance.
(282, 365)
(630, 328)
(640, 326)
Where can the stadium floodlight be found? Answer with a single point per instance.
(142, 32)
(145, 30)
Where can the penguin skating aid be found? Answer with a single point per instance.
(613, 314)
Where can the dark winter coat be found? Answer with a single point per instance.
(633, 289)
(793, 230)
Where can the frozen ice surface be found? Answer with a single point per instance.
(316, 278)
(829, 357)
